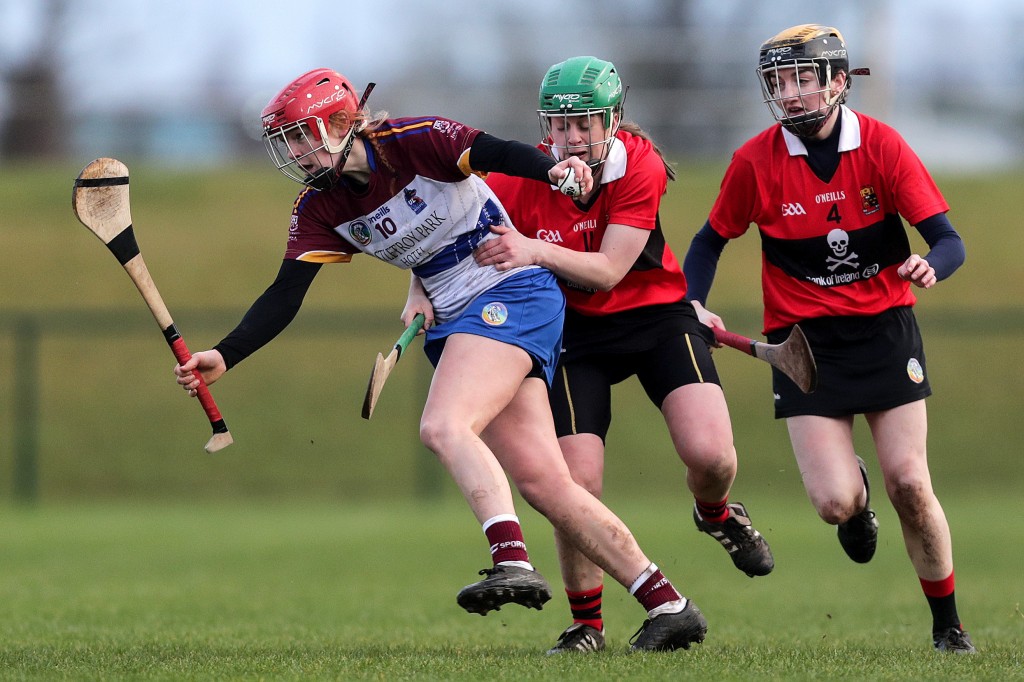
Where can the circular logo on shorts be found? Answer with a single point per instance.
(360, 232)
(494, 314)
(915, 371)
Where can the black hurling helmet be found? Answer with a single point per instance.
(808, 46)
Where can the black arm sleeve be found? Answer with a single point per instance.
(947, 248)
(270, 313)
(701, 262)
(490, 153)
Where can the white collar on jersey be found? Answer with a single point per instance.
(849, 135)
(614, 164)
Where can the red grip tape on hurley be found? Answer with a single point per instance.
(183, 355)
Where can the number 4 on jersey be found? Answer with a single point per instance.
(833, 214)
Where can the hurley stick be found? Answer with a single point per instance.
(100, 201)
(792, 357)
(383, 365)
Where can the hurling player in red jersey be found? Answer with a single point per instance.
(828, 189)
(407, 191)
(627, 315)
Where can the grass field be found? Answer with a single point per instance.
(367, 592)
(323, 546)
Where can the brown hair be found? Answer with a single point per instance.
(634, 129)
(365, 123)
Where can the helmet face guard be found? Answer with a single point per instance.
(303, 152)
(297, 127)
(819, 97)
(788, 55)
(577, 88)
(553, 123)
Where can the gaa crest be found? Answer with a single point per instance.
(494, 314)
(360, 232)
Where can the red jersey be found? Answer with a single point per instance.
(632, 183)
(828, 248)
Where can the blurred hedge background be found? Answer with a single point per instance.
(106, 420)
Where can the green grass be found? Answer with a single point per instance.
(367, 592)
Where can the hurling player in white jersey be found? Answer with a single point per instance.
(828, 189)
(406, 191)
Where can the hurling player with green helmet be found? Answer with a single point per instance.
(829, 189)
(627, 315)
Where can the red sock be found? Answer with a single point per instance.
(938, 588)
(713, 512)
(652, 589)
(506, 538)
(586, 607)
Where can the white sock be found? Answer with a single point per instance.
(521, 564)
(499, 518)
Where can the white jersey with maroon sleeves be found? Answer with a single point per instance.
(828, 248)
(423, 209)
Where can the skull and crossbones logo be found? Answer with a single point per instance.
(839, 242)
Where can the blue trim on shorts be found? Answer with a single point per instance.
(526, 310)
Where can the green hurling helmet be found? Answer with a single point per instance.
(581, 86)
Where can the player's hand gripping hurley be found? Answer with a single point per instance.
(792, 357)
(382, 366)
(100, 201)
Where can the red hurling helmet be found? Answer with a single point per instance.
(295, 127)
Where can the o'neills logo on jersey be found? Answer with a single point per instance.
(793, 209)
(553, 236)
(829, 196)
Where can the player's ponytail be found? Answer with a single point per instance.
(635, 129)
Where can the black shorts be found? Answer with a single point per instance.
(865, 364)
(665, 347)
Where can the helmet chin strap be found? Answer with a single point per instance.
(346, 145)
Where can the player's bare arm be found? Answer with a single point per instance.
(417, 303)
(599, 270)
